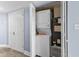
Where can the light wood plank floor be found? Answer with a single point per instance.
(8, 52)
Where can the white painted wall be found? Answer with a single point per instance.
(27, 29)
(73, 29)
(3, 29)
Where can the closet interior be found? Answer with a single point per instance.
(48, 30)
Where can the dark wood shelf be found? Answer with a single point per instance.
(58, 24)
(55, 34)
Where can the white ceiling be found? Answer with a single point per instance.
(40, 3)
(7, 6)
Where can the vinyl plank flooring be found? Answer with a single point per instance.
(8, 52)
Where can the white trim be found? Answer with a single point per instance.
(15, 49)
(22, 51)
(63, 28)
(27, 53)
(18, 50)
(32, 31)
(4, 45)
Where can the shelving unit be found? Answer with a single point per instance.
(56, 33)
(56, 27)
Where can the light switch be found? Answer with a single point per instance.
(76, 26)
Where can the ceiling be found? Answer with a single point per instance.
(8, 6)
(40, 3)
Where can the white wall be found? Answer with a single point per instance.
(3, 29)
(27, 29)
(73, 29)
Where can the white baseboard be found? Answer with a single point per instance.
(22, 51)
(4, 45)
(27, 53)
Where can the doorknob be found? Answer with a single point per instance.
(13, 33)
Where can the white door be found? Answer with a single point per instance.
(32, 30)
(16, 29)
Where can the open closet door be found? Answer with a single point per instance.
(32, 30)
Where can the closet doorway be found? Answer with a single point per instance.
(49, 22)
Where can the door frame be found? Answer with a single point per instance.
(63, 31)
(32, 30)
